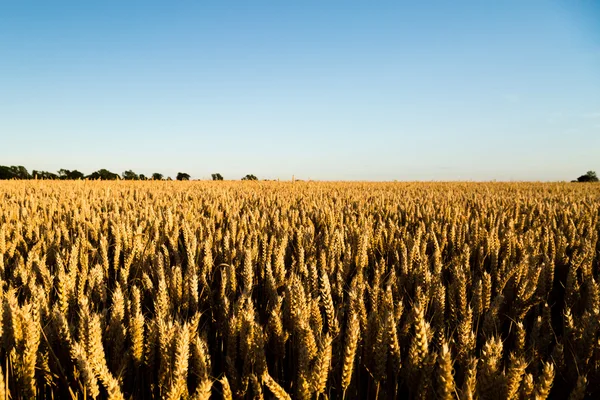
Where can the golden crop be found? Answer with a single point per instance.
(306, 290)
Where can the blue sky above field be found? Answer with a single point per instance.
(407, 90)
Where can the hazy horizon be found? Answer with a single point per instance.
(435, 90)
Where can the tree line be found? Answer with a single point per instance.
(590, 176)
(20, 172)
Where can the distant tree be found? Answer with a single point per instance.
(169, 178)
(14, 172)
(590, 176)
(6, 172)
(104, 175)
(182, 176)
(20, 172)
(63, 173)
(71, 175)
(143, 177)
(217, 177)
(250, 177)
(43, 175)
(130, 176)
(76, 175)
(157, 177)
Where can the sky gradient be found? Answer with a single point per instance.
(325, 90)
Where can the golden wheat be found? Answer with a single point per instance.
(320, 290)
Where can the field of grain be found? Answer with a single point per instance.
(306, 290)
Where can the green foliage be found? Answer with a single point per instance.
(250, 177)
(590, 176)
(182, 176)
(70, 175)
(44, 175)
(14, 172)
(130, 176)
(217, 177)
(104, 175)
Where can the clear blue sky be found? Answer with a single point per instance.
(372, 90)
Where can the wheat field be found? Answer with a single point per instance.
(191, 290)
